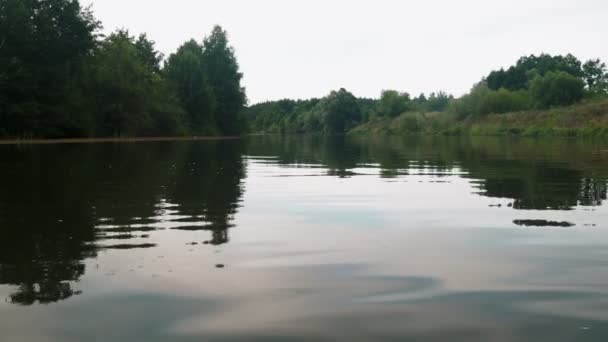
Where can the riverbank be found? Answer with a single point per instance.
(582, 120)
(108, 140)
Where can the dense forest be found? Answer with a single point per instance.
(533, 83)
(60, 77)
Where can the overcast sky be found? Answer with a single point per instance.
(302, 49)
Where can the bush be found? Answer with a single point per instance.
(504, 101)
(556, 89)
(469, 104)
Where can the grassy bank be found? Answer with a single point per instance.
(588, 119)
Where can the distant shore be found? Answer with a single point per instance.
(580, 120)
(108, 140)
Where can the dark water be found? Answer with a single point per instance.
(418, 239)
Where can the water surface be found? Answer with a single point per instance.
(305, 238)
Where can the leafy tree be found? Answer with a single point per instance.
(556, 89)
(518, 76)
(147, 52)
(392, 103)
(438, 102)
(339, 111)
(596, 76)
(42, 46)
(225, 81)
(187, 71)
(131, 99)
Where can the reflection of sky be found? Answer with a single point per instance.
(372, 256)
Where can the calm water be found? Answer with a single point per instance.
(269, 239)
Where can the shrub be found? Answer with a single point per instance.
(556, 89)
(504, 101)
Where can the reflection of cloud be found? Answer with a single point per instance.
(334, 311)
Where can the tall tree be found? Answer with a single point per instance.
(42, 46)
(148, 53)
(187, 71)
(225, 81)
(596, 76)
(340, 111)
(130, 98)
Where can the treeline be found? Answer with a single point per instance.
(59, 77)
(338, 112)
(534, 82)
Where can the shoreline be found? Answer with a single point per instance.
(109, 140)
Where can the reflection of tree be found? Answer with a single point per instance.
(592, 192)
(530, 185)
(47, 221)
(208, 186)
(340, 156)
(535, 174)
(53, 198)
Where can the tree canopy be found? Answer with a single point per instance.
(60, 78)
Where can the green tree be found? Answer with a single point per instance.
(519, 76)
(392, 103)
(148, 53)
(187, 71)
(42, 46)
(556, 89)
(339, 111)
(596, 76)
(225, 81)
(471, 103)
(438, 102)
(129, 97)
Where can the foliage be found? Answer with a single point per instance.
(42, 47)
(147, 52)
(504, 101)
(596, 76)
(518, 76)
(225, 80)
(339, 111)
(470, 104)
(187, 72)
(392, 103)
(436, 102)
(556, 89)
(58, 78)
(131, 98)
